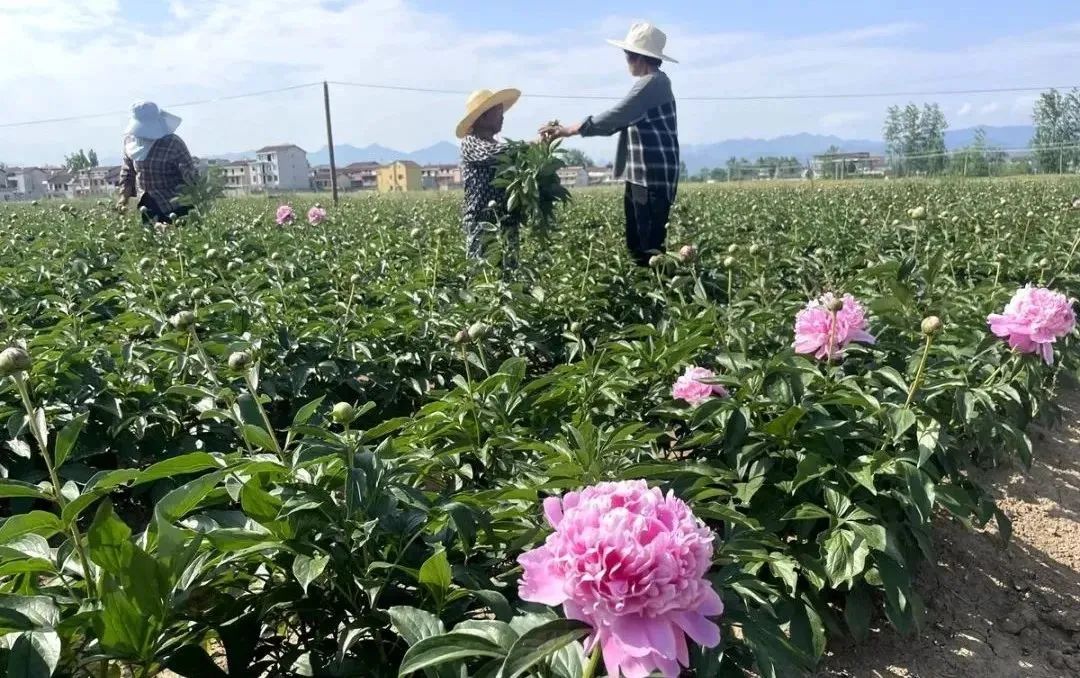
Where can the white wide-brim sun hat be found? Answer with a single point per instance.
(644, 38)
(150, 122)
(481, 101)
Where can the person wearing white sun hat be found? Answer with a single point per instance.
(483, 209)
(647, 157)
(157, 163)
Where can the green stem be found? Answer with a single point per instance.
(203, 357)
(594, 663)
(919, 372)
(43, 446)
(472, 399)
(266, 420)
(588, 263)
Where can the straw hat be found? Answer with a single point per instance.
(150, 122)
(644, 38)
(483, 100)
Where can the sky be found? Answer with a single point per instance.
(70, 58)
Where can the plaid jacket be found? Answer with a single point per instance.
(647, 124)
(160, 175)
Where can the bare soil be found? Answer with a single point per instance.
(994, 610)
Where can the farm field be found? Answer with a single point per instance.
(242, 448)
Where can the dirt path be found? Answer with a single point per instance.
(993, 612)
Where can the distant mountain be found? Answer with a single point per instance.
(803, 146)
(443, 152)
(696, 156)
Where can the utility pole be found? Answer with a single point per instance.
(330, 141)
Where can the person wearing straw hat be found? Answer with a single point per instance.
(157, 164)
(647, 157)
(483, 209)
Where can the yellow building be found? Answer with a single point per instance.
(399, 176)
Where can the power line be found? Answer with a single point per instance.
(572, 97)
(740, 97)
(183, 104)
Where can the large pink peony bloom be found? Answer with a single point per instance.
(316, 215)
(285, 215)
(688, 387)
(1033, 320)
(630, 562)
(818, 333)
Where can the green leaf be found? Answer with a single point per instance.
(435, 574)
(921, 489)
(65, 440)
(307, 569)
(414, 624)
(11, 489)
(258, 436)
(35, 654)
(840, 560)
(40, 523)
(306, 412)
(258, 503)
(177, 466)
(784, 569)
(807, 512)
(902, 419)
(39, 427)
(444, 648)
(812, 466)
(109, 540)
(538, 643)
(928, 433)
(784, 425)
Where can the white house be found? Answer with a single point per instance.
(283, 168)
(571, 177)
(600, 175)
(23, 183)
(237, 176)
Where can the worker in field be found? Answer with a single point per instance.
(483, 210)
(647, 157)
(157, 164)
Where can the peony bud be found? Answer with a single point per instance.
(1044, 262)
(732, 248)
(343, 413)
(575, 327)
(755, 250)
(415, 233)
(864, 221)
(477, 330)
(835, 305)
(656, 261)
(819, 252)
(462, 337)
(239, 360)
(687, 253)
(354, 278)
(917, 213)
(729, 262)
(14, 359)
(931, 325)
(182, 320)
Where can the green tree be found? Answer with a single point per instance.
(1057, 131)
(683, 172)
(915, 139)
(92, 158)
(577, 158)
(79, 161)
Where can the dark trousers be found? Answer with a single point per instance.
(154, 214)
(647, 211)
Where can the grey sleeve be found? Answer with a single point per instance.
(648, 92)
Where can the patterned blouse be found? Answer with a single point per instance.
(161, 175)
(479, 161)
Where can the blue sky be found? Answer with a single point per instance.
(88, 56)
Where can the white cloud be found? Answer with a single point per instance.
(84, 56)
(965, 109)
(989, 108)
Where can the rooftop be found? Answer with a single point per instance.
(279, 147)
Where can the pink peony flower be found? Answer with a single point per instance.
(817, 332)
(630, 562)
(285, 215)
(688, 387)
(316, 215)
(1033, 320)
